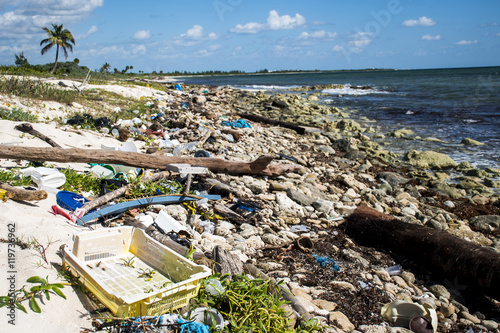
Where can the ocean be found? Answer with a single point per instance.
(447, 104)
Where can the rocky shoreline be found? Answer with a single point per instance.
(342, 169)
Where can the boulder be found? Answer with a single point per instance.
(430, 159)
(485, 223)
(471, 142)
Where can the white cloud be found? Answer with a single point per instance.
(93, 29)
(360, 40)
(466, 42)
(26, 17)
(142, 34)
(274, 22)
(249, 28)
(430, 37)
(422, 21)
(195, 35)
(338, 48)
(321, 34)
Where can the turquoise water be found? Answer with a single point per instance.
(448, 104)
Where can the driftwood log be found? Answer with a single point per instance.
(264, 120)
(28, 128)
(16, 193)
(260, 166)
(217, 185)
(436, 250)
(227, 262)
(228, 213)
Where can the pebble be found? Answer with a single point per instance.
(340, 320)
(469, 317)
(490, 325)
(439, 290)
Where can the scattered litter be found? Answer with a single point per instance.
(210, 317)
(300, 228)
(241, 123)
(327, 261)
(45, 177)
(111, 264)
(69, 200)
(202, 153)
(394, 270)
(178, 87)
(293, 159)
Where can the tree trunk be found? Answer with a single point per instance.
(436, 250)
(55, 63)
(261, 166)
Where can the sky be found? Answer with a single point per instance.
(252, 35)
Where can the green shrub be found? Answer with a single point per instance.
(17, 114)
(23, 87)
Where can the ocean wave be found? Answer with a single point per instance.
(349, 90)
(256, 87)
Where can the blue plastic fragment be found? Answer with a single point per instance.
(327, 261)
(124, 206)
(241, 123)
(192, 327)
(178, 87)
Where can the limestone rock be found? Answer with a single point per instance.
(439, 290)
(340, 320)
(471, 142)
(430, 159)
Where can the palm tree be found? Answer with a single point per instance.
(60, 38)
(105, 68)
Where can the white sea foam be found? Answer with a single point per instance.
(348, 90)
(257, 87)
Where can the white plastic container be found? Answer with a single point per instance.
(45, 177)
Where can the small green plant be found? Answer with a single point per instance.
(147, 273)
(18, 114)
(250, 305)
(42, 287)
(78, 182)
(14, 178)
(128, 262)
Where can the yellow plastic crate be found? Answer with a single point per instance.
(99, 258)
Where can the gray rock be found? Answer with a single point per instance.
(342, 145)
(200, 99)
(485, 223)
(399, 330)
(327, 149)
(448, 310)
(300, 197)
(394, 179)
(357, 256)
(355, 155)
(439, 290)
(432, 223)
(323, 206)
(372, 329)
(449, 204)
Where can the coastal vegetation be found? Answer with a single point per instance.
(59, 37)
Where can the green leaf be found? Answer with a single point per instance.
(47, 294)
(4, 299)
(58, 292)
(3, 304)
(57, 285)
(36, 279)
(34, 305)
(35, 288)
(21, 307)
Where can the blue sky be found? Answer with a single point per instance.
(196, 35)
